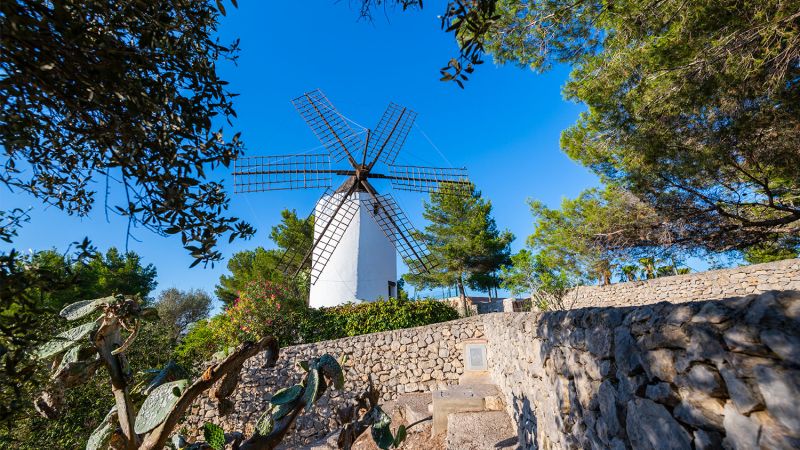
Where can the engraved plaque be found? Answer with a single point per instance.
(475, 357)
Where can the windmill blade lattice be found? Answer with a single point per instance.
(398, 229)
(430, 179)
(388, 137)
(270, 173)
(328, 125)
(334, 222)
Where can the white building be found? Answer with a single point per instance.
(363, 266)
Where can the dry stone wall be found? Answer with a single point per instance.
(411, 360)
(698, 375)
(714, 284)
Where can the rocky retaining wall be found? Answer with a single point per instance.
(714, 284)
(410, 360)
(693, 375)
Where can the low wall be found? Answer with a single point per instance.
(411, 360)
(658, 376)
(714, 284)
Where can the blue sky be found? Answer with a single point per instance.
(504, 127)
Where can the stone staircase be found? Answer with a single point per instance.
(467, 416)
(472, 415)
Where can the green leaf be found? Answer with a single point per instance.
(265, 424)
(157, 405)
(282, 410)
(331, 369)
(400, 436)
(83, 308)
(287, 395)
(65, 340)
(101, 436)
(214, 436)
(381, 433)
(312, 385)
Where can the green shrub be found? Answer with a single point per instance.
(199, 343)
(385, 315)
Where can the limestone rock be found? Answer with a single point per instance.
(659, 364)
(784, 345)
(662, 393)
(745, 398)
(650, 425)
(741, 433)
(780, 390)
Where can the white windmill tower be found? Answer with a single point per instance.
(356, 230)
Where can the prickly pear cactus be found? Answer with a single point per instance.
(287, 395)
(332, 370)
(381, 432)
(101, 436)
(158, 404)
(65, 340)
(83, 308)
(265, 424)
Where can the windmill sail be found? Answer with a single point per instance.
(270, 173)
(398, 229)
(446, 180)
(388, 137)
(328, 125)
(332, 217)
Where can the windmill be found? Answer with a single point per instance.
(356, 229)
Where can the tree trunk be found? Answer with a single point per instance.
(108, 339)
(463, 296)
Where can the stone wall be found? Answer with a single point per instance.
(714, 284)
(666, 376)
(410, 360)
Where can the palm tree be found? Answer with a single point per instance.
(648, 267)
(628, 272)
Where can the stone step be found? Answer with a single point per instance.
(485, 430)
(414, 407)
(464, 398)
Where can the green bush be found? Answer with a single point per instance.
(355, 319)
(198, 344)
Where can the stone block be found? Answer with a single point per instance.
(649, 426)
(659, 364)
(741, 433)
(704, 378)
(744, 397)
(780, 390)
(785, 345)
(662, 393)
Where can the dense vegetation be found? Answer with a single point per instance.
(264, 309)
(692, 122)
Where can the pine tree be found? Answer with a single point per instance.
(464, 241)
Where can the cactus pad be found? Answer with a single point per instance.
(82, 308)
(332, 369)
(101, 436)
(312, 388)
(287, 395)
(65, 340)
(157, 405)
(265, 424)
